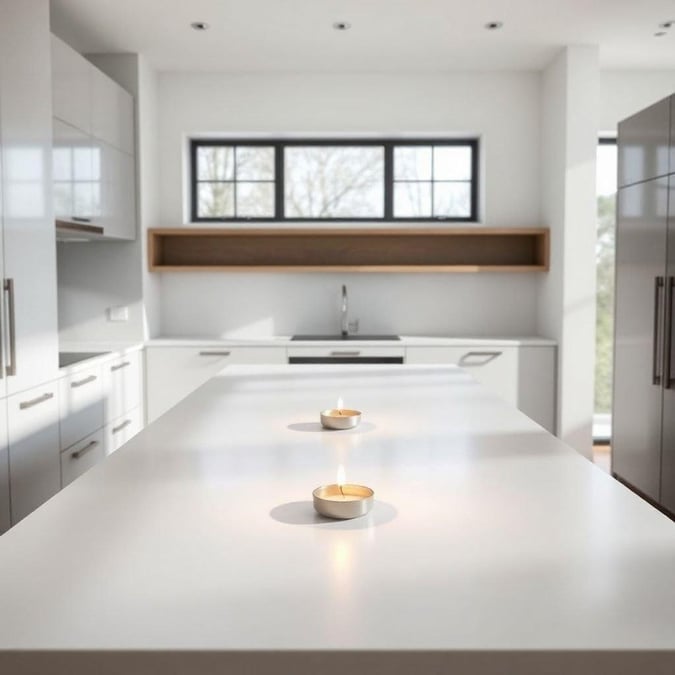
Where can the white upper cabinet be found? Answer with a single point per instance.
(29, 319)
(76, 175)
(72, 85)
(112, 117)
(94, 147)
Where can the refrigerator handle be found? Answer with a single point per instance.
(656, 337)
(668, 335)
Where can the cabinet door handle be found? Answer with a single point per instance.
(83, 451)
(345, 353)
(668, 341)
(656, 336)
(81, 383)
(35, 401)
(485, 358)
(120, 365)
(80, 219)
(214, 353)
(8, 287)
(119, 427)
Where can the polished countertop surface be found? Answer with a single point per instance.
(489, 540)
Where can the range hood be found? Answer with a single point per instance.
(77, 230)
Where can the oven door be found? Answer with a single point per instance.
(346, 355)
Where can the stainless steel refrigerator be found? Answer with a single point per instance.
(643, 416)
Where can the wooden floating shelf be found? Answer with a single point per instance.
(475, 249)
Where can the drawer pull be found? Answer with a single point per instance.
(214, 353)
(485, 358)
(120, 365)
(35, 401)
(81, 383)
(119, 427)
(83, 451)
(345, 353)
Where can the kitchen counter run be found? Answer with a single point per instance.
(492, 547)
(405, 341)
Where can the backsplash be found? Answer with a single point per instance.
(253, 305)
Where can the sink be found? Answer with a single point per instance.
(68, 358)
(338, 338)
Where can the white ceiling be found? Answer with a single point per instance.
(386, 35)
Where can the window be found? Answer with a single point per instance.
(233, 181)
(433, 181)
(604, 259)
(362, 180)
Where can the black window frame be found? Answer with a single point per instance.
(388, 144)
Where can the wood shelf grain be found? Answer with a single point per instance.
(476, 249)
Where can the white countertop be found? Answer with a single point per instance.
(489, 539)
(105, 351)
(405, 341)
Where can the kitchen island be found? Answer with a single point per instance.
(492, 547)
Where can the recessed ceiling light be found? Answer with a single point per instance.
(667, 24)
(661, 33)
(494, 25)
(342, 25)
(199, 25)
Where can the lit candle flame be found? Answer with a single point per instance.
(341, 477)
(340, 405)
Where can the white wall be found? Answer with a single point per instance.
(623, 93)
(503, 108)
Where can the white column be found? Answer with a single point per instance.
(566, 309)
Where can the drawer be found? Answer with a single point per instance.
(81, 405)
(33, 436)
(346, 351)
(122, 385)
(175, 372)
(119, 431)
(80, 457)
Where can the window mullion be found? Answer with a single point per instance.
(279, 181)
(388, 181)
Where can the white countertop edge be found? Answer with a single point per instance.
(405, 341)
(112, 350)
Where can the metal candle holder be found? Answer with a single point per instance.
(343, 501)
(338, 418)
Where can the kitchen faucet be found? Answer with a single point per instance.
(343, 315)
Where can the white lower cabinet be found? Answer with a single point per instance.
(101, 409)
(174, 372)
(33, 437)
(522, 375)
(122, 383)
(5, 520)
(81, 457)
(119, 431)
(81, 404)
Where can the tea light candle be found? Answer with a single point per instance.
(340, 417)
(343, 500)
